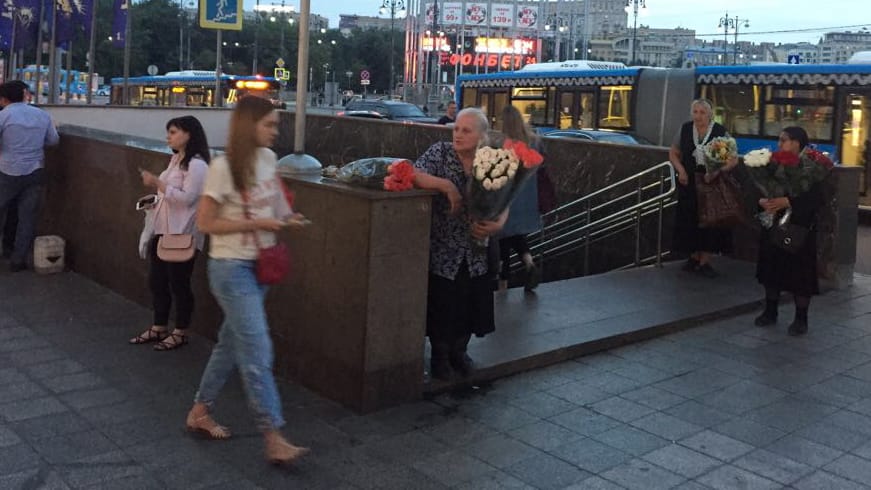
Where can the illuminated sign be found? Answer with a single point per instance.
(442, 43)
(252, 84)
(178, 90)
(503, 61)
(500, 45)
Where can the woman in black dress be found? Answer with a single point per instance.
(779, 270)
(686, 154)
(460, 295)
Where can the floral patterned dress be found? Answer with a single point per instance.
(460, 296)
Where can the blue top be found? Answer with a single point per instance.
(450, 238)
(524, 216)
(24, 132)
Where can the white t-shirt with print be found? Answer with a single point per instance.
(265, 200)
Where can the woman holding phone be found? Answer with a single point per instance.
(178, 193)
(243, 205)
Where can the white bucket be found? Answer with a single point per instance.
(48, 254)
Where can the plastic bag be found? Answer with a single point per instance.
(368, 172)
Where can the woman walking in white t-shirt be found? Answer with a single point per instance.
(244, 177)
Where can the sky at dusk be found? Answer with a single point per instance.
(814, 16)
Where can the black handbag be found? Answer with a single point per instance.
(789, 236)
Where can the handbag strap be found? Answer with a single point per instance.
(247, 211)
(176, 160)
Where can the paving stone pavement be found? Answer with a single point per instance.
(722, 406)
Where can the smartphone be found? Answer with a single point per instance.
(146, 202)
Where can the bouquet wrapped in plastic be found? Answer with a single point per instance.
(497, 176)
(718, 151)
(785, 174)
(390, 174)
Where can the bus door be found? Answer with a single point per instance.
(492, 102)
(575, 109)
(855, 147)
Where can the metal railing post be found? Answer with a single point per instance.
(638, 226)
(660, 207)
(587, 222)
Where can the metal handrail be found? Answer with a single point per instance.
(579, 228)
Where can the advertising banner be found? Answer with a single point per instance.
(119, 23)
(527, 17)
(428, 16)
(476, 14)
(502, 15)
(452, 13)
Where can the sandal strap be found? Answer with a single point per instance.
(149, 335)
(207, 424)
(178, 340)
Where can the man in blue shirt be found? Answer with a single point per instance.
(11, 223)
(24, 133)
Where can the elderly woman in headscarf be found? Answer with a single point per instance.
(687, 156)
(460, 297)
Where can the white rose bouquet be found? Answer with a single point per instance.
(497, 175)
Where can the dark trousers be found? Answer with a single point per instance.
(168, 281)
(517, 243)
(10, 225)
(27, 190)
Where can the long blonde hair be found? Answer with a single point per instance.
(242, 141)
(514, 127)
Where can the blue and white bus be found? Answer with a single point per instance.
(74, 80)
(192, 88)
(832, 102)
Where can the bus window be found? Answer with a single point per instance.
(567, 111)
(810, 108)
(614, 104)
(855, 138)
(500, 100)
(469, 95)
(532, 103)
(736, 107)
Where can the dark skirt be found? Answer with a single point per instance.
(459, 307)
(784, 271)
(688, 237)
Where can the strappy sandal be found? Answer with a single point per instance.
(172, 341)
(281, 452)
(205, 426)
(150, 335)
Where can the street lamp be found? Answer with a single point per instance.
(396, 8)
(557, 24)
(635, 5)
(727, 23)
(273, 9)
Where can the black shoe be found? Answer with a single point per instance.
(441, 369)
(765, 320)
(707, 271)
(797, 327)
(17, 267)
(533, 277)
(463, 364)
(691, 265)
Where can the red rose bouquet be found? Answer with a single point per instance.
(784, 174)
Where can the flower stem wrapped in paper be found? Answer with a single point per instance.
(718, 152)
(497, 176)
(390, 174)
(785, 174)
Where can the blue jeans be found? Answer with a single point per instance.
(27, 189)
(243, 342)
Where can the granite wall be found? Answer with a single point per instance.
(345, 323)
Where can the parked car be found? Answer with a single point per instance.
(600, 135)
(365, 114)
(103, 91)
(389, 109)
